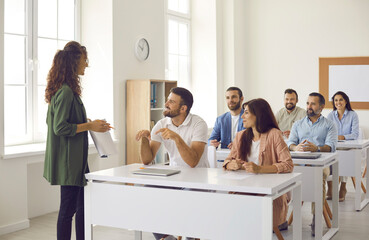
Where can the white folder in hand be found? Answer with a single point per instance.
(104, 143)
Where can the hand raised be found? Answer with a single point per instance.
(143, 133)
(167, 134)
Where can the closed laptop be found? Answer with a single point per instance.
(157, 172)
(303, 155)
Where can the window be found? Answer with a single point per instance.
(178, 42)
(33, 31)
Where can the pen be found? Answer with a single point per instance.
(108, 125)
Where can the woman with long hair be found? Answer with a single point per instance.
(261, 149)
(347, 123)
(67, 141)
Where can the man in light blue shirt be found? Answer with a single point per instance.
(314, 133)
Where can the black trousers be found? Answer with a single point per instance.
(71, 202)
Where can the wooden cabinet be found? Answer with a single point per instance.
(145, 105)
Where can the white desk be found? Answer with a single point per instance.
(350, 165)
(109, 201)
(312, 189)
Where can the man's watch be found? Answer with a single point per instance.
(318, 149)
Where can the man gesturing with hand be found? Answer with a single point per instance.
(184, 135)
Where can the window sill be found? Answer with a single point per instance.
(29, 150)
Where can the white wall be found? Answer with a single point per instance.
(284, 40)
(231, 43)
(131, 21)
(204, 60)
(98, 80)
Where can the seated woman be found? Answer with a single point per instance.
(261, 149)
(347, 123)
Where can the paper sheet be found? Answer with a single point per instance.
(104, 143)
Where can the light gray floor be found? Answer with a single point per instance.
(353, 226)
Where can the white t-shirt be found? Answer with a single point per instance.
(235, 120)
(254, 155)
(193, 129)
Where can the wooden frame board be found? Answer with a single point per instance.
(324, 64)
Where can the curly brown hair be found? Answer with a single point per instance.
(64, 70)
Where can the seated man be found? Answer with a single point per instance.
(290, 113)
(227, 125)
(183, 134)
(314, 133)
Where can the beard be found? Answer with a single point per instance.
(310, 112)
(171, 113)
(235, 107)
(291, 106)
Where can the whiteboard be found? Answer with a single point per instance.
(351, 79)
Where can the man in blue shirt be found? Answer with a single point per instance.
(314, 133)
(227, 125)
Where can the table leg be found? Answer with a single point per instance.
(88, 225)
(297, 223)
(335, 179)
(366, 199)
(138, 235)
(358, 180)
(319, 203)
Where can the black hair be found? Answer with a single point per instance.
(235, 89)
(344, 95)
(321, 98)
(290, 91)
(186, 97)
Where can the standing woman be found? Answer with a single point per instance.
(261, 149)
(347, 123)
(67, 141)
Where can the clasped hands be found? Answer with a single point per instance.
(236, 164)
(306, 146)
(165, 133)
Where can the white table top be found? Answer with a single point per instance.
(201, 178)
(362, 143)
(323, 160)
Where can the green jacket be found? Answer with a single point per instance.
(66, 151)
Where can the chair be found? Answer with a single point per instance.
(327, 214)
(212, 156)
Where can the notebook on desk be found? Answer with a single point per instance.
(157, 172)
(310, 155)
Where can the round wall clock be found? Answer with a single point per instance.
(142, 49)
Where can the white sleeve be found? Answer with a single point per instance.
(200, 132)
(156, 137)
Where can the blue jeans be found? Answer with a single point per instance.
(71, 202)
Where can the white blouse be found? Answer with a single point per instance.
(254, 155)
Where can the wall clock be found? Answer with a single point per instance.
(142, 49)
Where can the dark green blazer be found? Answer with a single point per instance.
(66, 151)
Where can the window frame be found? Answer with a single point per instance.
(180, 18)
(34, 133)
